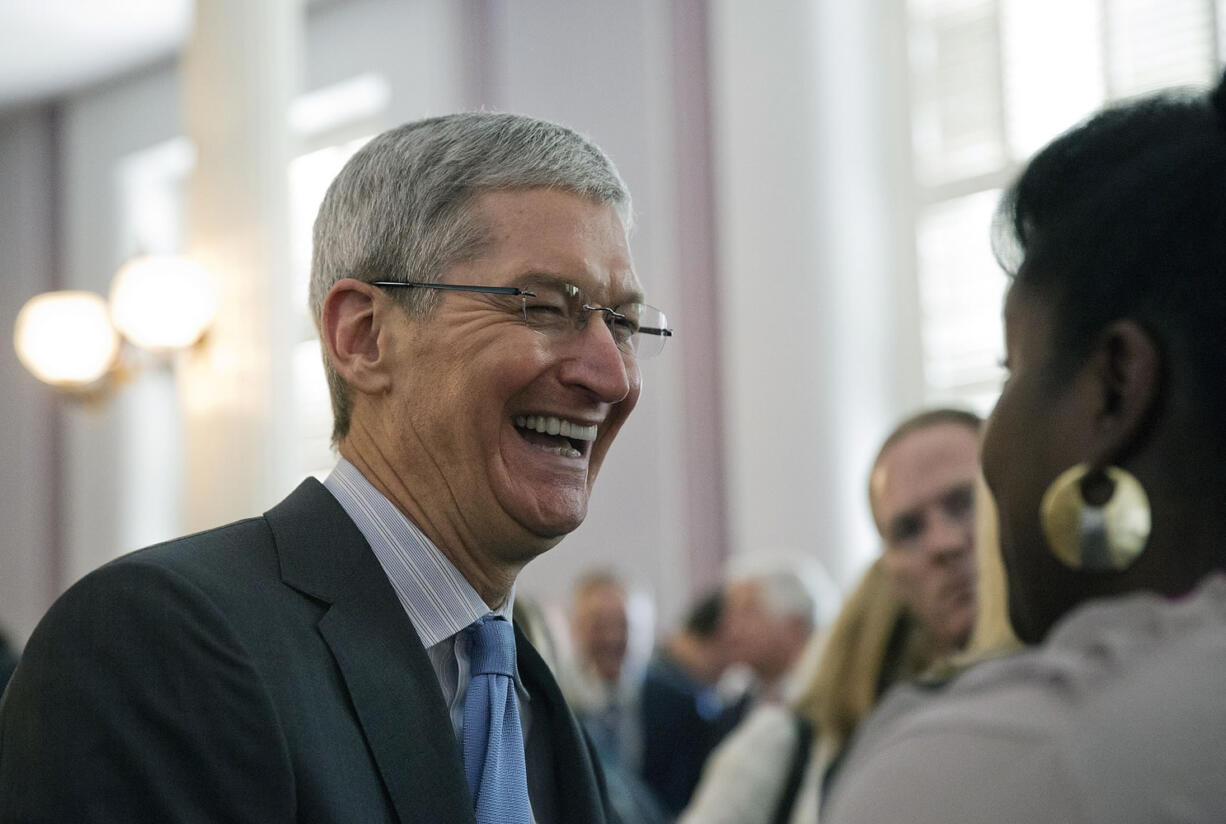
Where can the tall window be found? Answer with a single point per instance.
(992, 81)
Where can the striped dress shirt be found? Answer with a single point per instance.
(437, 598)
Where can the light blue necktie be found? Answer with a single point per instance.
(493, 741)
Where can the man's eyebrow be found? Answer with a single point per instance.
(959, 489)
(548, 280)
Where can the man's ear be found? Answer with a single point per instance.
(1128, 373)
(350, 327)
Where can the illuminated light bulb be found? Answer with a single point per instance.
(66, 338)
(162, 302)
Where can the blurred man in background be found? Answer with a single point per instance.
(611, 630)
(922, 496)
(773, 603)
(606, 681)
(684, 713)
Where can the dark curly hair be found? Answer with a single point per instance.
(1125, 216)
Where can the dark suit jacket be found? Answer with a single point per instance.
(263, 671)
(683, 721)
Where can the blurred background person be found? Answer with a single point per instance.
(684, 712)
(606, 673)
(773, 602)
(914, 605)
(922, 497)
(611, 628)
(776, 605)
(1107, 459)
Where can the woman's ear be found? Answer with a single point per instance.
(1129, 373)
(350, 326)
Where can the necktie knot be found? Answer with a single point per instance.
(491, 646)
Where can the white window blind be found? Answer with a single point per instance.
(992, 81)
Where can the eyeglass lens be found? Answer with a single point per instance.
(559, 307)
(636, 327)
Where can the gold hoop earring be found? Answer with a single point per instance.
(1096, 538)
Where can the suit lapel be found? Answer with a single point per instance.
(579, 782)
(394, 689)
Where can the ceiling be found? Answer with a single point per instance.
(52, 47)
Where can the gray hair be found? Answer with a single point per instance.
(400, 209)
(792, 584)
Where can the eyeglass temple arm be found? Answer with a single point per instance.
(654, 330)
(457, 287)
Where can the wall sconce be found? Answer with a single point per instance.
(66, 338)
(71, 340)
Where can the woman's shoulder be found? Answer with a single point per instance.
(1118, 710)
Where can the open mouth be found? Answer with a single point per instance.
(561, 437)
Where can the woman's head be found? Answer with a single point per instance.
(1115, 238)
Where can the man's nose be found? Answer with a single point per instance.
(598, 363)
(947, 537)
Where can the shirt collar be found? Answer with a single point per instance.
(437, 597)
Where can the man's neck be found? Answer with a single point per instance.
(492, 579)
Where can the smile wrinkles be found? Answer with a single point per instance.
(550, 425)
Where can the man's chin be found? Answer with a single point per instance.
(554, 529)
(549, 528)
(960, 630)
(552, 514)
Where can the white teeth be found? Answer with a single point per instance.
(549, 425)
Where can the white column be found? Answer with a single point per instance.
(240, 71)
(820, 324)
